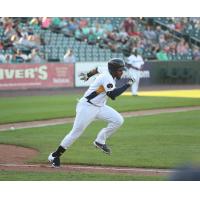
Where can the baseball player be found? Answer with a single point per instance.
(93, 106)
(135, 64)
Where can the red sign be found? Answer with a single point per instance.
(25, 76)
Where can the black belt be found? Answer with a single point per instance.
(92, 103)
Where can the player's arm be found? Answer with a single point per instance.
(118, 91)
(85, 76)
(131, 66)
(95, 93)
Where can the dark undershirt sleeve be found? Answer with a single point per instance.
(116, 92)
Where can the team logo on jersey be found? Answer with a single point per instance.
(110, 85)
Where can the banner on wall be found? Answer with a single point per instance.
(26, 76)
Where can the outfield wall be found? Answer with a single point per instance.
(59, 75)
(174, 72)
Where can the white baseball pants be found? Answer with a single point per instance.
(136, 75)
(85, 114)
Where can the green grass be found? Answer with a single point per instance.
(16, 109)
(29, 108)
(159, 141)
(73, 176)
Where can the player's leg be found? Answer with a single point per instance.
(134, 87)
(114, 119)
(85, 114)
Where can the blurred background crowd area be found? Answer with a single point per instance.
(79, 39)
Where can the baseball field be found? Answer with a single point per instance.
(160, 132)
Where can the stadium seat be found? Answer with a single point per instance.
(58, 39)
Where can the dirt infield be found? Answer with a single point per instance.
(14, 158)
(14, 154)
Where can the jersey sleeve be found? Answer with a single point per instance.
(108, 83)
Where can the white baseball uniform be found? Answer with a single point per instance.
(95, 108)
(137, 62)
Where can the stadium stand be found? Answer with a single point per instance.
(98, 38)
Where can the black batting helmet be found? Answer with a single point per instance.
(115, 64)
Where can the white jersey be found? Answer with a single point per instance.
(102, 84)
(136, 61)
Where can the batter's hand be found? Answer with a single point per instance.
(83, 76)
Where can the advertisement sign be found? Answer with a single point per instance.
(25, 76)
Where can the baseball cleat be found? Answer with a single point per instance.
(103, 147)
(55, 161)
